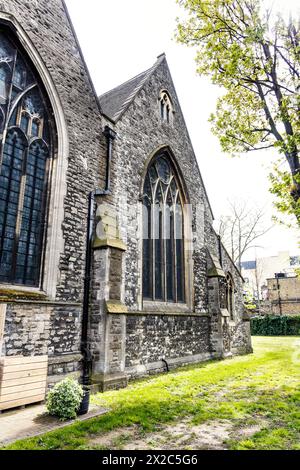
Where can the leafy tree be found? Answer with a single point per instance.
(255, 56)
(249, 302)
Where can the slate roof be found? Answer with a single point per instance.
(115, 102)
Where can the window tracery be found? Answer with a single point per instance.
(24, 167)
(163, 233)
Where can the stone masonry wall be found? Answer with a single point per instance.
(39, 329)
(236, 332)
(228, 267)
(149, 339)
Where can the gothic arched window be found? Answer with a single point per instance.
(24, 166)
(165, 107)
(230, 295)
(163, 233)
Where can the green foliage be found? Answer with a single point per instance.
(249, 302)
(261, 386)
(275, 326)
(254, 56)
(282, 186)
(64, 399)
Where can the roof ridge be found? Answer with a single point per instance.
(136, 90)
(144, 77)
(124, 83)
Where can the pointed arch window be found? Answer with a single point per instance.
(163, 233)
(230, 295)
(165, 107)
(25, 129)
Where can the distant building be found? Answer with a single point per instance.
(284, 295)
(256, 272)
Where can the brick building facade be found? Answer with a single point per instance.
(283, 295)
(101, 154)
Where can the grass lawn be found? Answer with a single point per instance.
(248, 402)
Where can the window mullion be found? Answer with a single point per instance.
(12, 161)
(11, 88)
(183, 254)
(30, 218)
(172, 235)
(19, 212)
(164, 251)
(175, 252)
(152, 245)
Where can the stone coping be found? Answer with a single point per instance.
(64, 358)
(109, 243)
(40, 302)
(161, 313)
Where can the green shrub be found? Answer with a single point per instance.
(271, 325)
(64, 399)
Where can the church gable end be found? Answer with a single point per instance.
(168, 312)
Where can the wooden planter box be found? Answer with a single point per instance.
(22, 380)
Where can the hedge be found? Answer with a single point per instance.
(275, 325)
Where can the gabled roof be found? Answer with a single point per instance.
(115, 102)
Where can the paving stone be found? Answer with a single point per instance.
(34, 420)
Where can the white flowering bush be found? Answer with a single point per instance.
(64, 399)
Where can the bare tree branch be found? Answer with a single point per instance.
(241, 228)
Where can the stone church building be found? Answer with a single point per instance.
(109, 265)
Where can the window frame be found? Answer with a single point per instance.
(54, 237)
(181, 195)
(230, 296)
(166, 108)
(15, 106)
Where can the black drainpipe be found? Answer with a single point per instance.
(110, 137)
(87, 359)
(220, 251)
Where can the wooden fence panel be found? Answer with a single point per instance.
(23, 380)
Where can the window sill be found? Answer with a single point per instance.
(156, 306)
(165, 313)
(10, 293)
(161, 313)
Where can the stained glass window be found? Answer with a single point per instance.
(163, 224)
(24, 163)
(4, 77)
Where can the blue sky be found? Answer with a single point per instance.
(121, 38)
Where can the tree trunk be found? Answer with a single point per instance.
(293, 161)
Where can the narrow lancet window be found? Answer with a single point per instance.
(166, 108)
(230, 295)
